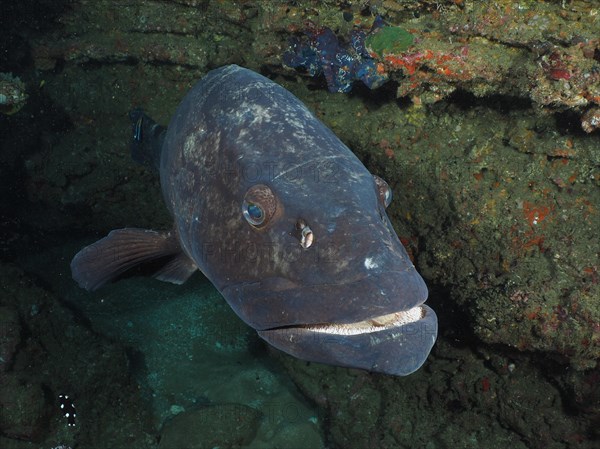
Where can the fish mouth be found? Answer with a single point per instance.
(368, 304)
(395, 343)
(371, 325)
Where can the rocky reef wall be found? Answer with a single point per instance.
(485, 125)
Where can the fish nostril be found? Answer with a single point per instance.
(307, 237)
(303, 233)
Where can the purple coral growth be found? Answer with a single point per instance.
(319, 51)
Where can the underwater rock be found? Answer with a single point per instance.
(10, 337)
(590, 121)
(59, 355)
(12, 94)
(225, 425)
(24, 410)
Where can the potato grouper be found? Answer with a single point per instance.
(283, 219)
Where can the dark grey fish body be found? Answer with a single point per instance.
(289, 226)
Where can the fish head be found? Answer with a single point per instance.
(325, 276)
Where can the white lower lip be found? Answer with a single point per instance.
(377, 324)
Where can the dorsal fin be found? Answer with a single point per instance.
(147, 139)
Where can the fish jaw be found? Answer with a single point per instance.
(280, 302)
(374, 318)
(396, 344)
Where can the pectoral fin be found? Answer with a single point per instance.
(122, 249)
(177, 270)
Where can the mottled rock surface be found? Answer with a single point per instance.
(225, 425)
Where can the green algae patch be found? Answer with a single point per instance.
(389, 40)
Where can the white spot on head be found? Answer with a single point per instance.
(370, 263)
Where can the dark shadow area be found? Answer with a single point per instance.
(453, 323)
(20, 140)
(33, 129)
(35, 15)
(21, 20)
(501, 103)
(569, 123)
(375, 98)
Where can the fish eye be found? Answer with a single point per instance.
(259, 205)
(384, 191)
(253, 213)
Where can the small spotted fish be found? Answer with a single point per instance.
(67, 407)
